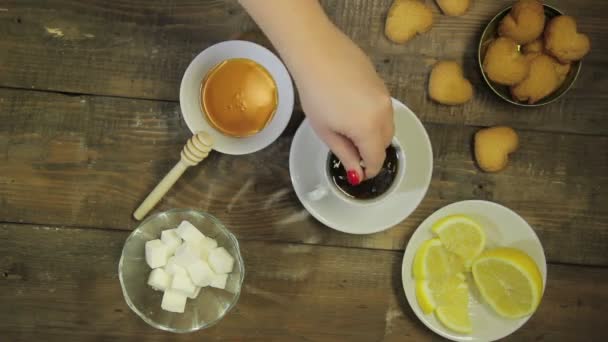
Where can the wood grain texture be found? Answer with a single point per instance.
(89, 161)
(127, 48)
(68, 290)
(140, 49)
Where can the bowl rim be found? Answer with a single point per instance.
(490, 83)
(238, 256)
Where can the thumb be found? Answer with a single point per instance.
(346, 151)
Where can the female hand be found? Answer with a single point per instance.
(347, 103)
(349, 107)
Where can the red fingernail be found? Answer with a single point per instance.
(353, 177)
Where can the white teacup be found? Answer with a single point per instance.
(327, 185)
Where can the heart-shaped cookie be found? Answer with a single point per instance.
(453, 7)
(493, 146)
(537, 46)
(524, 23)
(531, 50)
(562, 70)
(563, 41)
(541, 81)
(503, 63)
(406, 18)
(447, 84)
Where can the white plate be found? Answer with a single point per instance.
(307, 163)
(504, 228)
(189, 95)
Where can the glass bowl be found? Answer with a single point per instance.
(209, 307)
(491, 32)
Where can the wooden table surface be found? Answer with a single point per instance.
(90, 122)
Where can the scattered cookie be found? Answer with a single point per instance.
(524, 23)
(447, 84)
(493, 146)
(503, 63)
(537, 46)
(453, 7)
(563, 41)
(406, 18)
(541, 81)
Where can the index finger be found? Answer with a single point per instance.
(373, 153)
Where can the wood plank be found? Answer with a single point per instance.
(140, 49)
(62, 284)
(127, 48)
(89, 161)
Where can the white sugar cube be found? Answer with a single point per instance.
(196, 292)
(220, 260)
(187, 253)
(172, 267)
(173, 301)
(183, 284)
(156, 253)
(207, 244)
(189, 232)
(170, 238)
(159, 279)
(200, 273)
(219, 281)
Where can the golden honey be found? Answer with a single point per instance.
(239, 97)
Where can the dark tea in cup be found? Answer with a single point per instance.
(370, 188)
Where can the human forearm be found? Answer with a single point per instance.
(347, 103)
(298, 29)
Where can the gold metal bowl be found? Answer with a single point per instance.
(491, 32)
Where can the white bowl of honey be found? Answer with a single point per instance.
(240, 93)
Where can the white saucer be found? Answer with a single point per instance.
(189, 95)
(307, 163)
(504, 228)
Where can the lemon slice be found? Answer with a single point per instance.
(433, 261)
(455, 317)
(425, 297)
(509, 281)
(461, 236)
(449, 298)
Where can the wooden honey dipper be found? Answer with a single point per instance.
(196, 149)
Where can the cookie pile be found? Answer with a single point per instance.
(532, 56)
